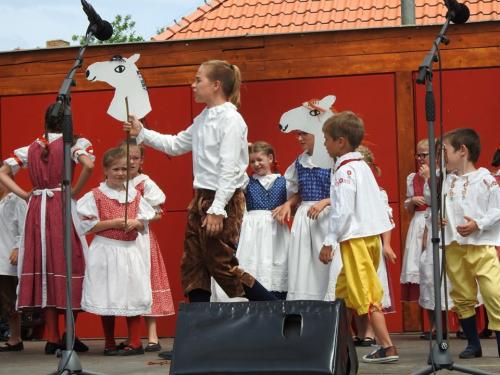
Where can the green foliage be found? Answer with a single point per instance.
(123, 32)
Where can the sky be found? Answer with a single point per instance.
(28, 24)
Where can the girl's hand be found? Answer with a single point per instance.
(134, 224)
(213, 224)
(467, 229)
(118, 223)
(418, 201)
(424, 171)
(326, 254)
(13, 257)
(389, 254)
(283, 213)
(133, 125)
(314, 211)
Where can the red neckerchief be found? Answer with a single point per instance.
(344, 162)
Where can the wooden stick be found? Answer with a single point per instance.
(127, 147)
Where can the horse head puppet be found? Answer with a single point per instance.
(123, 75)
(310, 117)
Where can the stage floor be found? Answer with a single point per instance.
(412, 350)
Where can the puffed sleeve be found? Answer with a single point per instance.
(18, 159)
(409, 189)
(82, 146)
(19, 210)
(292, 180)
(87, 212)
(153, 194)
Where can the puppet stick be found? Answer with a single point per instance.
(127, 148)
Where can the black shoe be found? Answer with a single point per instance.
(110, 351)
(121, 346)
(368, 341)
(166, 355)
(128, 350)
(52, 347)
(471, 352)
(12, 348)
(152, 347)
(78, 346)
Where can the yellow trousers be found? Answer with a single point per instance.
(358, 284)
(469, 266)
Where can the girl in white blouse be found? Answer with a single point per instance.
(218, 140)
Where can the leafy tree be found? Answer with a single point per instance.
(123, 31)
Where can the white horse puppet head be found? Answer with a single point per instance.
(310, 117)
(123, 75)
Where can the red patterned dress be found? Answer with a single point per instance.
(117, 276)
(42, 268)
(163, 304)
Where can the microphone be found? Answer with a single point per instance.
(459, 12)
(101, 29)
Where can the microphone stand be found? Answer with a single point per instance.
(69, 362)
(439, 356)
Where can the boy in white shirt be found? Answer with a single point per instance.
(12, 215)
(357, 219)
(472, 230)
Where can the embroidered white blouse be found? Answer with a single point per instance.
(12, 216)
(19, 159)
(218, 140)
(89, 214)
(357, 206)
(476, 195)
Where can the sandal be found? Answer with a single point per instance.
(152, 347)
(368, 341)
(12, 347)
(128, 350)
(357, 341)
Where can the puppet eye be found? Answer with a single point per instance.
(314, 112)
(120, 69)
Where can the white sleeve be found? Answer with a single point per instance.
(492, 214)
(233, 137)
(409, 190)
(343, 200)
(153, 194)
(19, 217)
(87, 212)
(170, 144)
(292, 180)
(82, 146)
(388, 208)
(18, 160)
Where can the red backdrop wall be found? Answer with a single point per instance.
(470, 100)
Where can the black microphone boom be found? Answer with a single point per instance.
(459, 12)
(101, 29)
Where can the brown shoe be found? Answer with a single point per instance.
(382, 355)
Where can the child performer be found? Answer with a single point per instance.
(117, 281)
(415, 204)
(308, 185)
(162, 303)
(218, 140)
(42, 268)
(12, 215)
(358, 218)
(472, 230)
(263, 244)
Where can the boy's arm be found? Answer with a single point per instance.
(343, 200)
(492, 215)
(170, 144)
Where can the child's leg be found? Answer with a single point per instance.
(199, 295)
(15, 329)
(258, 293)
(151, 328)
(380, 328)
(52, 325)
(108, 326)
(134, 331)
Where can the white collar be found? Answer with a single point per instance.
(118, 195)
(306, 160)
(213, 112)
(349, 155)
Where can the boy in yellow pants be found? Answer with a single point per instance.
(472, 230)
(358, 217)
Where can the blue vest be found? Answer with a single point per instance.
(314, 183)
(258, 198)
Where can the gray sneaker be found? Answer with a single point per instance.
(382, 355)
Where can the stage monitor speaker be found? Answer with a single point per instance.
(275, 337)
